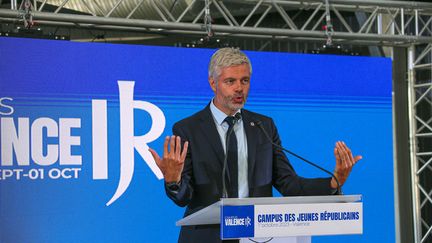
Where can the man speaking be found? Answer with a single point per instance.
(227, 151)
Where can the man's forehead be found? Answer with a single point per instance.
(235, 65)
(236, 68)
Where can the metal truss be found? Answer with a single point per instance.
(420, 92)
(363, 22)
(385, 22)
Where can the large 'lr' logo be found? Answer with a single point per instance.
(128, 141)
(18, 140)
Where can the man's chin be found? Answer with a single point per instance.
(236, 107)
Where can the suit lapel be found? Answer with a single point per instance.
(251, 136)
(209, 129)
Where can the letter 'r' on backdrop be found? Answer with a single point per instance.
(76, 120)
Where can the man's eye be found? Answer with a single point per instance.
(245, 81)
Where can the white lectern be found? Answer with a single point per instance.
(298, 218)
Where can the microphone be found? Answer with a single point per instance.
(237, 117)
(259, 124)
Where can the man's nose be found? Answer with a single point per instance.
(238, 86)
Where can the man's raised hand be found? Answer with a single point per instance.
(172, 162)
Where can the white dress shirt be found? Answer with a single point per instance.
(222, 128)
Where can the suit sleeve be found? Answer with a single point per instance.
(183, 196)
(286, 180)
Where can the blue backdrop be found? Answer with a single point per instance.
(315, 101)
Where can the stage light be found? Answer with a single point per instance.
(333, 50)
(36, 33)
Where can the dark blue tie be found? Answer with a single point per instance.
(231, 151)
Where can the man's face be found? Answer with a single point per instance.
(232, 88)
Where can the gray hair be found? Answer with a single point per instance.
(226, 57)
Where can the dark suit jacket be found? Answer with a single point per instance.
(201, 183)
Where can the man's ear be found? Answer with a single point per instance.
(212, 83)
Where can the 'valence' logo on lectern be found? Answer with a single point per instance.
(237, 222)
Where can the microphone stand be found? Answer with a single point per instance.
(259, 124)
